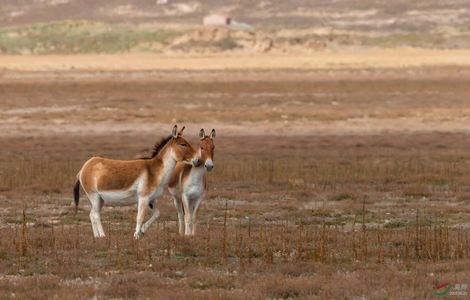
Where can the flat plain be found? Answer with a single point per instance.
(348, 183)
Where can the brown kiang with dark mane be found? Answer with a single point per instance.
(125, 182)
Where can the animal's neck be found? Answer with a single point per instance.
(197, 173)
(169, 164)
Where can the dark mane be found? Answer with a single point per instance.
(158, 147)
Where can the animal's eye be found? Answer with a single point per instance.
(202, 148)
(183, 145)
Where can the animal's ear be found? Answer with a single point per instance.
(174, 133)
(181, 131)
(212, 134)
(202, 134)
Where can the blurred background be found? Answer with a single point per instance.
(172, 26)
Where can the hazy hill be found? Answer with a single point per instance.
(164, 26)
(344, 14)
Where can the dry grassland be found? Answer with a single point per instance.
(301, 212)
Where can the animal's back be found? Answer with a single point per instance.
(104, 174)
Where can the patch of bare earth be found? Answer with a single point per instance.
(361, 58)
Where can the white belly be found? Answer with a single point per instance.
(119, 198)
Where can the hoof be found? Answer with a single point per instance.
(138, 235)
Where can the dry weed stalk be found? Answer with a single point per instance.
(364, 233)
(224, 249)
(417, 239)
(353, 238)
(380, 243)
(24, 238)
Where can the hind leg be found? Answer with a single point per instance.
(179, 209)
(92, 216)
(93, 224)
(176, 195)
(95, 218)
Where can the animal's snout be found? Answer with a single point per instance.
(209, 164)
(196, 161)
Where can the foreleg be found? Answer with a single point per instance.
(190, 208)
(142, 205)
(155, 213)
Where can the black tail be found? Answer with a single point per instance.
(76, 194)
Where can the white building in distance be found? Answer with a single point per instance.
(217, 20)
